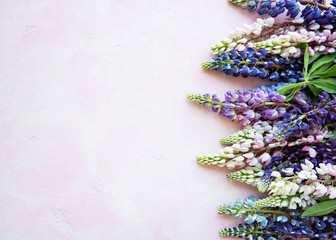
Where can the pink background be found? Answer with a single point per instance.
(98, 140)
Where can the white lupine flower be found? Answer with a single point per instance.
(288, 171)
(306, 197)
(236, 147)
(276, 174)
(307, 189)
(260, 21)
(265, 158)
(240, 47)
(333, 35)
(332, 192)
(298, 54)
(328, 26)
(322, 48)
(243, 40)
(311, 34)
(285, 38)
(294, 201)
(331, 169)
(232, 45)
(229, 155)
(257, 144)
(285, 190)
(307, 166)
(294, 188)
(249, 170)
(276, 51)
(292, 205)
(258, 136)
(322, 169)
(238, 159)
(312, 152)
(228, 149)
(247, 143)
(303, 32)
(284, 54)
(249, 155)
(292, 50)
(304, 174)
(303, 203)
(320, 190)
(269, 22)
(319, 138)
(252, 161)
(311, 51)
(280, 183)
(310, 139)
(331, 50)
(260, 173)
(286, 44)
(284, 203)
(314, 26)
(257, 31)
(230, 165)
(323, 39)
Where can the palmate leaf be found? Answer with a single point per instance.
(321, 64)
(331, 72)
(290, 96)
(314, 89)
(320, 209)
(293, 88)
(313, 58)
(326, 84)
(288, 88)
(306, 61)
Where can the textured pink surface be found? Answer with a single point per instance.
(98, 140)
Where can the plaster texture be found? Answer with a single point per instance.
(98, 140)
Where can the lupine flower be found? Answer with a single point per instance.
(273, 224)
(318, 12)
(303, 116)
(257, 64)
(282, 39)
(246, 106)
(286, 148)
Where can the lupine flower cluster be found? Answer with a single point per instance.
(257, 64)
(286, 148)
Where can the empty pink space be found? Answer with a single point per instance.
(98, 140)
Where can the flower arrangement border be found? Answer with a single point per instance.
(287, 145)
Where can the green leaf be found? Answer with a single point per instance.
(324, 198)
(326, 84)
(313, 58)
(290, 96)
(334, 134)
(287, 88)
(331, 72)
(327, 59)
(314, 89)
(302, 45)
(320, 70)
(306, 61)
(320, 209)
